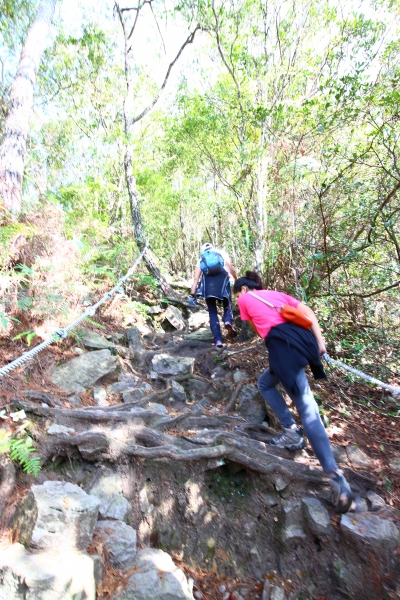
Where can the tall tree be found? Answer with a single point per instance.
(130, 120)
(16, 127)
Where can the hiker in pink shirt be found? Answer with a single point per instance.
(291, 347)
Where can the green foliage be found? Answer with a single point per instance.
(28, 335)
(20, 450)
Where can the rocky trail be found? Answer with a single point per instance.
(158, 482)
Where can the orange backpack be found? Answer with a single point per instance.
(294, 315)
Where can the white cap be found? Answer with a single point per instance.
(206, 246)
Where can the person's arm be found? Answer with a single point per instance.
(196, 278)
(315, 328)
(231, 269)
(250, 322)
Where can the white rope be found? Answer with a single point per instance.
(63, 331)
(393, 390)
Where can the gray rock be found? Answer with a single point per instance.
(197, 320)
(375, 502)
(269, 500)
(113, 505)
(316, 516)
(173, 315)
(157, 578)
(119, 540)
(359, 504)
(395, 464)
(46, 576)
(277, 593)
(251, 404)
(100, 396)
(128, 378)
(83, 371)
(280, 483)
(266, 590)
(75, 401)
(340, 454)
(91, 339)
(54, 429)
(167, 365)
(122, 386)
(197, 388)
(133, 395)
(56, 515)
(202, 335)
(358, 458)
(134, 339)
(154, 310)
(202, 404)
(178, 391)
(240, 376)
(369, 532)
(292, 527)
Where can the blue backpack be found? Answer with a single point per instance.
(211, 263)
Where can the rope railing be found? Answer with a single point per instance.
(382, 384)
(62, 332)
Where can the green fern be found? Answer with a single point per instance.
(20, 451)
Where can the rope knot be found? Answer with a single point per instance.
(60, 333)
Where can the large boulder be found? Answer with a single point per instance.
(168, 366)
(56, 515)
(83, 371)
(173, 316)
(370, 533)
(197, 320)
(134, 339)
(316, 516)
(157, 578)
(119, 540)
(251, 404)
(46, 576)
(91, 339)
(292, 522)
(113, 505)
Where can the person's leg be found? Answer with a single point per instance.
(313, 427)
(228, 314)
(267, 385)
(228, 318)
(214, 322)
(309, 413)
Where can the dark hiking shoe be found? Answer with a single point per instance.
(343, 497)
(218, 344)
(230, 330)
(291, 439)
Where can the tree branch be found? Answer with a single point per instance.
(188, 41)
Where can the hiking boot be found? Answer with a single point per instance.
(343, 497)
(230, 330)
(218, 344)
(291, 439)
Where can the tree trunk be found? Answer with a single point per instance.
(140, 236)
(16, 128)
(129, 121)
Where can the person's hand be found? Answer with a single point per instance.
(322, 347)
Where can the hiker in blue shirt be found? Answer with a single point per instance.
(211, 280)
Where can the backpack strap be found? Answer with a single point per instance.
(261, 299)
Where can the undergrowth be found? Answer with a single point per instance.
(20, 450)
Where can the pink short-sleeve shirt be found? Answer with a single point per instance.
(264, 317)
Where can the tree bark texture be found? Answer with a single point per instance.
(16, 128)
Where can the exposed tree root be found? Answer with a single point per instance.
(96, 446)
